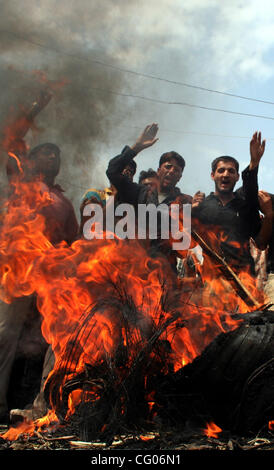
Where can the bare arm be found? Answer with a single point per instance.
(265, 232)
(146, 139)
(40, 103)
(16, 132)
(197, 199)
(257, 147)
(128, 190)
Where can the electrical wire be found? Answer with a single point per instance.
(133, 72)
(181, 103)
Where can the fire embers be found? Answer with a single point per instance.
(107, 374)
(118, 323)
(212, 430)
(132, 382)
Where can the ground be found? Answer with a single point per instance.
(150, 441)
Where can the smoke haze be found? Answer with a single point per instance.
(222, 46)
(53, 44)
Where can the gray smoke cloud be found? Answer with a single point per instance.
(202, 42)
(55, 44)
(80, 48)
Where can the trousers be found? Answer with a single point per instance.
(12, 318)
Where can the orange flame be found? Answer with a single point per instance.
(271, 425)
(68, 280)
(147, 437)
(11, 154)
(212, 430)
(31, 427)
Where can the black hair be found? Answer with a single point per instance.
(167, 156)
(224, 158)
(53, 147)
(147, 174)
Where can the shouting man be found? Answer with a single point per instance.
(227, 219)
(164, 191)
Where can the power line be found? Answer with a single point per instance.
(154, 77)
(140, 74)
(181, 103)
(205, 134)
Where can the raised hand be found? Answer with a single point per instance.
(265, 203)
(197, 199)
(257, 147)
(41, 101)
(147, 138)
(44, 97)
(265, 233)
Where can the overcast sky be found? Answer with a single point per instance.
(221, 46)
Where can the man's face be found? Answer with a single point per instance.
(129, 172)
(225, 177)
(169, 173)
(151, 183)
(47, 161)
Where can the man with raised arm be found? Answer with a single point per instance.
(41, 164)
(227, 219)
(170, 170)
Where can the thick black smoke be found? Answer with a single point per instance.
(54, 44)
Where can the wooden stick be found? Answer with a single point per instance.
(87, 444)
(230, 275)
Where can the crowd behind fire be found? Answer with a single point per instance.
(237, 224)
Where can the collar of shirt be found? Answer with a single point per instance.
(171, 196)
(236, 199)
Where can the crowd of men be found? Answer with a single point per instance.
(237, 224)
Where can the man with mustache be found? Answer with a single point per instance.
(165, 191)
(170, 170)
(227, 219)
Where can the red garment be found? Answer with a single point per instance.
(60, 218)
